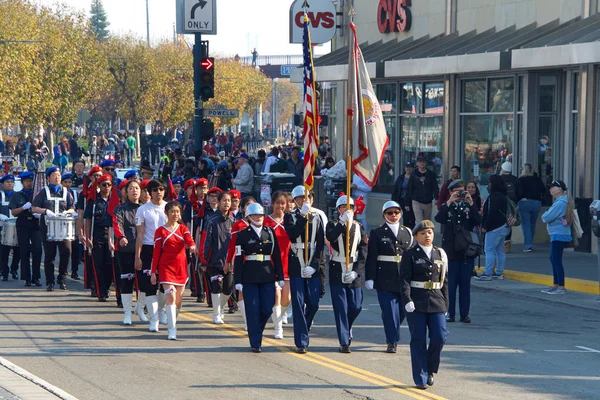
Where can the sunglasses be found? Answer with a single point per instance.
(395, 212)
(107, 184)
(109, 169)
(160, 189)
(97, 175)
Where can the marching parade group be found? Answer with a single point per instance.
(150, 239)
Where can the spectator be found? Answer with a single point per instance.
(495, 229)
(274, 160)
(1, 145)
(259, 165)
(244, 179)
(512, 188)
(399, 195)
(473, 190)
(21, 151)
(295, 165)
(458, 210)
(558, 221)
(531, 191)
(130, 147)
(422, 190)
(9, 149)
(444, 192)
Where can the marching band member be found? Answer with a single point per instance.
(147, 173)
(132, 175)
(145, 195)
(89, 275)
(8, 186)
(67, 182)
(177, 185)
(52, 200)
(345, 282)
(282, 294)
(125, 233)
(123, 189)
(148, 218)
(425, 295)
(184, 199)
(386, 245)
(305, 280)
(193, 216)
(98, 221)
(216, 243)
(257, 267)
(236, 198)
(169, 259)
(28, 231)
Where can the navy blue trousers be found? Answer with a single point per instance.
(259, 299)
(392, 314)
(306, 294)
(459, 277)
(426, 359)
(347, 304)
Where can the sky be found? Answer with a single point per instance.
(242, 25)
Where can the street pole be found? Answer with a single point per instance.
(199, 54)
(147, 23)
(274, 109)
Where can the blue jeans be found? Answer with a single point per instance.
(529, 210)
(558, 270)
(494, 251)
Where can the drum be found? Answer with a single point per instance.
(61, 228)
(9, 233)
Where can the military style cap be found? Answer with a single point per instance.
(421, 226)
(456, 183)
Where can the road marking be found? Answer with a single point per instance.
(36, 380)
(588, 349)
(327, 362)
(582, 349)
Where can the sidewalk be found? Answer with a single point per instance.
(581, 269)
(16, 384)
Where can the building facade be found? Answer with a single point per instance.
(476, 83)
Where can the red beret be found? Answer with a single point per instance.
(123, 184)
(94, 170)
(215, 190)
(235, 194)
(189, 183)
(202, 182)
(104, 178)
(144, 184)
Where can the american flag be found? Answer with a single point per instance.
(311, 111)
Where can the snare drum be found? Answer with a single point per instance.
(61, 228)
(9, 233)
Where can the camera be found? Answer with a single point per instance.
(462, 193)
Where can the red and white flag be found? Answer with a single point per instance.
(311, 111)
(369, 138)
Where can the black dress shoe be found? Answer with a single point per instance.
(15, 276)
(37, 283)
(233, 309)
(391, 348)
(50, 287)
(201, 298)
(193, 294)
(422, 387)
(301, 350)
(465, 320)
(27, 283)
(450, 319)
(430, 380)
(5, 279)
(102, 299)
(75, 276)
(62, 286)
(256, 350)
(345, 349)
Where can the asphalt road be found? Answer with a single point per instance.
(518, 347)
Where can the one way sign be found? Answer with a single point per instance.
(197, 16)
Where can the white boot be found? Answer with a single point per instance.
(284, 315)
(224, 301)
(152, 306)
(171, 312)
(242, 308)
(277, 327)
(162, 314)
(127, 299)
(139, 307)
(216, 302)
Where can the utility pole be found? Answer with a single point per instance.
(147, 23)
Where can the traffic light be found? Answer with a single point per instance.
(208, 129)
(206, 78)
(299, 119)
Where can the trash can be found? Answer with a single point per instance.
(582, 205)
(267, 184)
(333, 188)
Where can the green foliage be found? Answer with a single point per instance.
(98, 21)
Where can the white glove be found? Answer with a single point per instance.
(74, 215)
(349, 277)
(281, 284)
(410, 306)
(239, 286)
(308, 272)
(347, 217)
(305, 208)
(27, 206)
(50, 214)
(3, 217)
(369, 284)
(37, 215)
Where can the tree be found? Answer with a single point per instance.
(98, 20)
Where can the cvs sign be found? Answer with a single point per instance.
(394, 16)
(321, 15)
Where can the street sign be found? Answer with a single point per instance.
(221, 113)
(287, 69)
(83, 116)
(197, 16)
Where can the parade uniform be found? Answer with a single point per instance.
(58, 200)
(89, 275)
(257, 268)
(168, 258)
(423, 281)
(97, 211)
(5, 250)
(305, 277)
(385, 251)
(346, 298)
(189, 216)
(28, 235)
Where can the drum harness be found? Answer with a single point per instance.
(5, 203)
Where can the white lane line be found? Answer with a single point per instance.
(36, 379)
(582, 349)
(588, 349)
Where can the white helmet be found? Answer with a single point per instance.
(298, 191)
(174, 140)
(255, 209)
(110, 139)
(390, 204)
(342, 201)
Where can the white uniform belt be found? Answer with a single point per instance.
(258, 257)
(395, 259)
(342, 259)
(296, 246)
(429, 285)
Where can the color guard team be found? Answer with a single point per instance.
(151, 238)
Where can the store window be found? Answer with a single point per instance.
(387, 96)
(547, 128)
(574, 129)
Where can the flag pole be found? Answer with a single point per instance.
(306, 6)
(351, 14)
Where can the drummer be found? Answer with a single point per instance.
(8, 186)
(132, 175)
(89, 282)
(51, 201)
(28, 231)
(76, 247)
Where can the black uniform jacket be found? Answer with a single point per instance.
(25, 218)
(97, 210)
(217, 240)
(383, 242)
(457, 214)
(124, 226)
(416, 266)
(295, 226)
(249, 243)
(336, 230)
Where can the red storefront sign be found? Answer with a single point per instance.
(394, 16)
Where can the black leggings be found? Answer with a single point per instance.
(144, 275)
(224, 285)
(126, 263)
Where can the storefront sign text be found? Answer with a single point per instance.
(394, 16)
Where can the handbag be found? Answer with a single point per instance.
(466, 242)
(576, 225)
